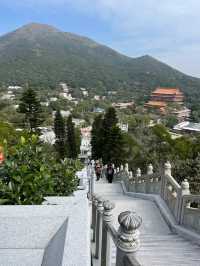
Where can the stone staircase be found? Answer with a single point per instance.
(159, 246)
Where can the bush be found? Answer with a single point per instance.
(65, 180)
(25, 175)
(28, 174)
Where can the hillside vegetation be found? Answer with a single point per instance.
(43, 56)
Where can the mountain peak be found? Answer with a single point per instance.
(34, 28)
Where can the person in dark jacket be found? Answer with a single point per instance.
(110, 173)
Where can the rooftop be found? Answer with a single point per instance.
(165, 90)
(156, 104)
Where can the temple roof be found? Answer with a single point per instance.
(165, 90)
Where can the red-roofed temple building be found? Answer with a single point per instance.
(162, 96)
(167, 95)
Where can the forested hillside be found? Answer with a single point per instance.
(43, 56)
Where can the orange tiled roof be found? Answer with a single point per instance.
(156, 104)
(163, 90)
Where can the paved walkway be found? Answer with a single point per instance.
(159, 246)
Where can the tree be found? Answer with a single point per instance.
(59, 129)
(114, 149)
(72, 148)
(31, 108)
(110, 118)
(96, 140)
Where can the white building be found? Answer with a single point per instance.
(63, 113)
(8, 97)
(53, 99)
(14, 87)
(85, 148)
(188, 127)
(47, 135)
(123, 127)
(44, 104)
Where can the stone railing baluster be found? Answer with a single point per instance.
(94, 215)
(106, 244)
(167, 172)
(128, 235)
(98, 233)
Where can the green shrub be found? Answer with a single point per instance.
(65, 180)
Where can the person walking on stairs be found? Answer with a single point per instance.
(110, 173)
(98, 170)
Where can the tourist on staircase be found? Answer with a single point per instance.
(98, 170)
(110, 173)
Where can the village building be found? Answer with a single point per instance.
(85, 148)
(187, 127)
(123, 105)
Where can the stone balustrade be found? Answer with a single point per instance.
(184, 206)
(126, 239)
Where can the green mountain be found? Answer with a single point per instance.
(43, 56)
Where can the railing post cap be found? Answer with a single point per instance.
(168, 165)
(138, 172)
(108, 205)
(185, 184)
(129, 221)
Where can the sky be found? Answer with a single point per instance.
(165, 29)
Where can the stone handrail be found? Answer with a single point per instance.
(171, 194)
(184, 207)
(190, 212)
(126, 239)
(130, 261)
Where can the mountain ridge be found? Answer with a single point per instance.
(44, 55)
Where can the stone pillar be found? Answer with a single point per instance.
(185, 187)
(130, 175)
(106, 243)
(137, 181)
(94, 215)
(128, 235)
(148, 185)
(92, 181)
(185, 190)
(99, 227)
(167, 171)
(150, 169)
(126, 168)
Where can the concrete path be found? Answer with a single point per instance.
(159, 246)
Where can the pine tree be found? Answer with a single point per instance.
(110, 120)
(96, 140)
(114, 148)
(71, 139)
(59, 129)
(31, 108)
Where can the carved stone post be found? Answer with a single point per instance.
(185, 190)
(149, 180)
(138, 176)
(92, 181)
(94, 215)
(126, 168)
(99, 227)
(128, 235)
(107, 219)
(167, 171)
(185, 187)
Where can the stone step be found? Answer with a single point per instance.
(105, 188)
